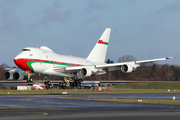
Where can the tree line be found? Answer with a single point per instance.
(146, 72)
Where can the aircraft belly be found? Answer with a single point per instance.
(40, 67)
(47, 69)
(54, 73)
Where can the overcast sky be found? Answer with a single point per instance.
(146, 29)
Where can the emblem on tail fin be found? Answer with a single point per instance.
(102, 42)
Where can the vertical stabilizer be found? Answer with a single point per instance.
(98, 54)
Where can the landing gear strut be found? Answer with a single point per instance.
(47, 82)
(29, 79)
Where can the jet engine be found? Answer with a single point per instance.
(18, 76)
(126, 68)
(15, 75)
(8, 75)
(84, 73)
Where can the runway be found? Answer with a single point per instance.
(49, 107)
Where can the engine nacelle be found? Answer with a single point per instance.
(84, 73)
(18, 76)
(15, 75)
(8, 75)
(126, 69)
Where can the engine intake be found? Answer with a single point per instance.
(8, 75)
(126, 68)
(18, 76)
(84, 73)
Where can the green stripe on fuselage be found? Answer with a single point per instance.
(29, 63)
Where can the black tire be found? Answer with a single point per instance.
(47, 86)
(78, 85)
(45, 83)
(64, 84)
(74, 84)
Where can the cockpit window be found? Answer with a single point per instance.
(26, 50)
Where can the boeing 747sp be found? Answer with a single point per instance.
(44, 61)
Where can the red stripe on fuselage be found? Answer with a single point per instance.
(22, 63)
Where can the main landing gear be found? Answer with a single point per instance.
(67, 83)
(47, 82)
(76, 83)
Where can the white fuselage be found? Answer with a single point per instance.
(43, 60)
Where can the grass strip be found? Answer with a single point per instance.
(149, 85)
(152, 101)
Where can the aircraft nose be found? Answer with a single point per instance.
(16, 61)
(19, 61)
(22, 63)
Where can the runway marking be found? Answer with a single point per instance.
(45, 113)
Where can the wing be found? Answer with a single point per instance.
(133, 64)
(110, 67)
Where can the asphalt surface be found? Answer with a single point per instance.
(49, 107)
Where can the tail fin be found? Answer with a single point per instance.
(98, 54)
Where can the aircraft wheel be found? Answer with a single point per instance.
(79, 81)
(47, 86)
(45, 83)
(78, 84)
(74, 84)
(30, 80)
(64, 84)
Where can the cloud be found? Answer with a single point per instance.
(10, 4)
(171, 8)
(9, 22)
(90, 14)
(94, 4)
(54, 14)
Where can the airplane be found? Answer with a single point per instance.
(44, 61)
(90, 84)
